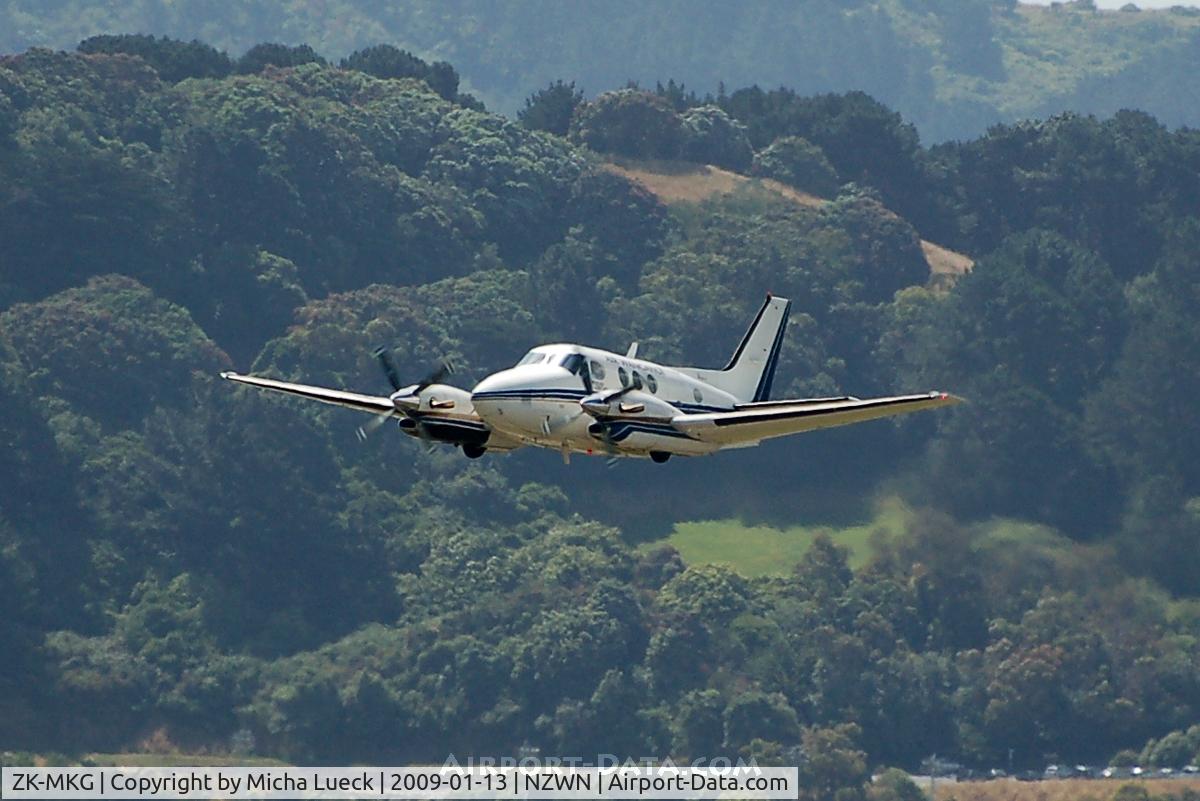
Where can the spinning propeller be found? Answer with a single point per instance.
(405, 399)
(598, 406)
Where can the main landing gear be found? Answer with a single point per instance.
(659, 457)
(473, 451)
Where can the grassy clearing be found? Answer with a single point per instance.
(1003, 531)
(767, 551)
(771, 551)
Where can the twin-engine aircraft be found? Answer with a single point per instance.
(576, 399)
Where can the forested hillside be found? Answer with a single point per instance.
(953, 67)
(186, 563)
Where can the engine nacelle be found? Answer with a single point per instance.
(629, 405)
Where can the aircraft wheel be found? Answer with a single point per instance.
(473, 451)
(659, 456)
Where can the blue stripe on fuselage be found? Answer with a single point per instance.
(579, 394)
(622, 429)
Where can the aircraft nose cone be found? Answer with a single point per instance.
(495, 383)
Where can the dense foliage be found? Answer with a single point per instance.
(234, 571)
(953, 67)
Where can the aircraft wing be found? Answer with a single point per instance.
(752, 422)
(372, 404)
(452, 427)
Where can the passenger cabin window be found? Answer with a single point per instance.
(597, 370)
(698, 396)
(651, 383)
(623, 376)
(637, 379)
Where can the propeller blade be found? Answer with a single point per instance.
(423, 434)
(437, 376)
(549, 426)
(609, 445)
(384, 355)
(601, 429)
(599, 406)
(612, 396)
(409, 403)
(367, 429)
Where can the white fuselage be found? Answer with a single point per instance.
(538, 402)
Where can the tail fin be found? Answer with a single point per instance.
(751, 370)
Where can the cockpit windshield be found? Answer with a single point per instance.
(533, 357)
(574, 363)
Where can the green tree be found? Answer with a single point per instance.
(1036, 325)
(714, 592)
(712, 137)
(894, 785)
(629, 122)
(679, 655)
(172, 59)
(257, 58)
(823, 573)
(1175, 749)
(552, 108)
(970, 41)
(111, 349)
(697, 724)
(1136, 414)
(388, 61)
(1125, 758)
(756, 715)
(864, 140)
(831, 763)
(71, 210)
(799, 163)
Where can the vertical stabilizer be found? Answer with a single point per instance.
(751, 370)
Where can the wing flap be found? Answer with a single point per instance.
(780, 418)
(372, 404)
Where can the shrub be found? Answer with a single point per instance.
(713, 137)
(797, 162)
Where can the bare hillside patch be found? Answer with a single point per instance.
(685, 182)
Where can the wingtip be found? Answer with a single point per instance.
(228, 374)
